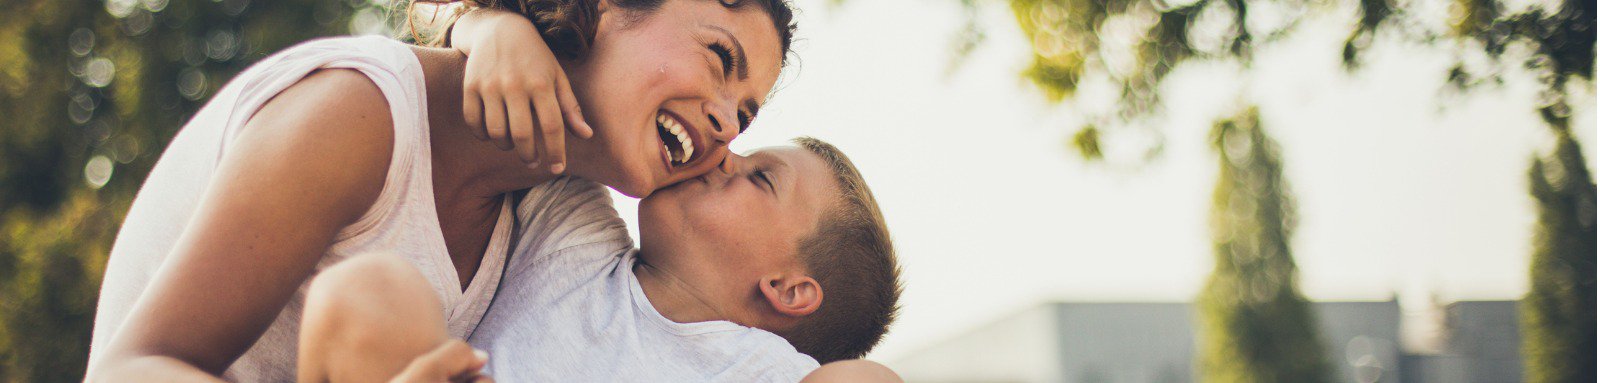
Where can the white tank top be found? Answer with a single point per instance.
(402, 221)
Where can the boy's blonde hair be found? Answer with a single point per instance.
(851, 256)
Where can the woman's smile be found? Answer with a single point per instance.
(678, 140)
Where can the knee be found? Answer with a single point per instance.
(365, 317)
(365, 276)
(857, 370)
(352, 299)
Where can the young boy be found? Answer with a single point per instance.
(781, 251)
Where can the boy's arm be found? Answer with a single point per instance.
(515, 92)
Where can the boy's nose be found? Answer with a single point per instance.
(727, 164)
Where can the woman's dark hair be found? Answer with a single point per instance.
(568, 26)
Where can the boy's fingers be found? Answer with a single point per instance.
(472, 112)
(522, 129)
(570, 109)
(451, 360)
(552, 132)
(494, 116)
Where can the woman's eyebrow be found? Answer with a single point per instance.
(738, 50)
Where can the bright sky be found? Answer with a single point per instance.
(991, 212)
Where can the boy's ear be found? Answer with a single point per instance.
(792, 295)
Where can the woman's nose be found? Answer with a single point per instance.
(724, 120)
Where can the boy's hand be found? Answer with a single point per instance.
(454, 361)
(515, 92)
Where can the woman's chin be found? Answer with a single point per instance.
(636, 187)
(637, 194)
(630, 176)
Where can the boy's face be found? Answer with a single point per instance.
(732, 227)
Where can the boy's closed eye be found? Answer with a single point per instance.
(763, 178)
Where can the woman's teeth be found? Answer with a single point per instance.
(674, 136)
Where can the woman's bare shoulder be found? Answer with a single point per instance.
(333, 127)
(345, 97)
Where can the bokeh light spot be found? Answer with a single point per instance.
(81, 42)
(191, 83)
(138, 22)
(98, 171)
(120, 8)
(221, 45)
(81, 108)
(154, 5)
(99, 72)
(367, 22)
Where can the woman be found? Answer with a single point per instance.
(357, 145)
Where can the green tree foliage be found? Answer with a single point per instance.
(1558, 314)
(1255, 326)
(1135, 44)
(90, 93)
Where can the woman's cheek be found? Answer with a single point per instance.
(682, 78)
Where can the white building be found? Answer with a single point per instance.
(1155, 342)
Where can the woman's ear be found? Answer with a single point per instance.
(790, 295)
(601, 14)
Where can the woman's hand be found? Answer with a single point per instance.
(515, 92)
(452, 362)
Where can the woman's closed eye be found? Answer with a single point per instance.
(729, 61)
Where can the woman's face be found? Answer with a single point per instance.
(666, 91)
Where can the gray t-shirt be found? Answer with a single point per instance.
(569, 308)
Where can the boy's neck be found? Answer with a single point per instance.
(674, 297)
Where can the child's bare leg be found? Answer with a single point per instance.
(366, 319)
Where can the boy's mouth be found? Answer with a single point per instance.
(677, 140)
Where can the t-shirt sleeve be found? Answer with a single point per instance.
(565, 214)
(784, 363)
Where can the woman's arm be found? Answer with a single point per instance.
(514, 90)
(311, 161)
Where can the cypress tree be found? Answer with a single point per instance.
(1558, 314)
(1255, 326)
